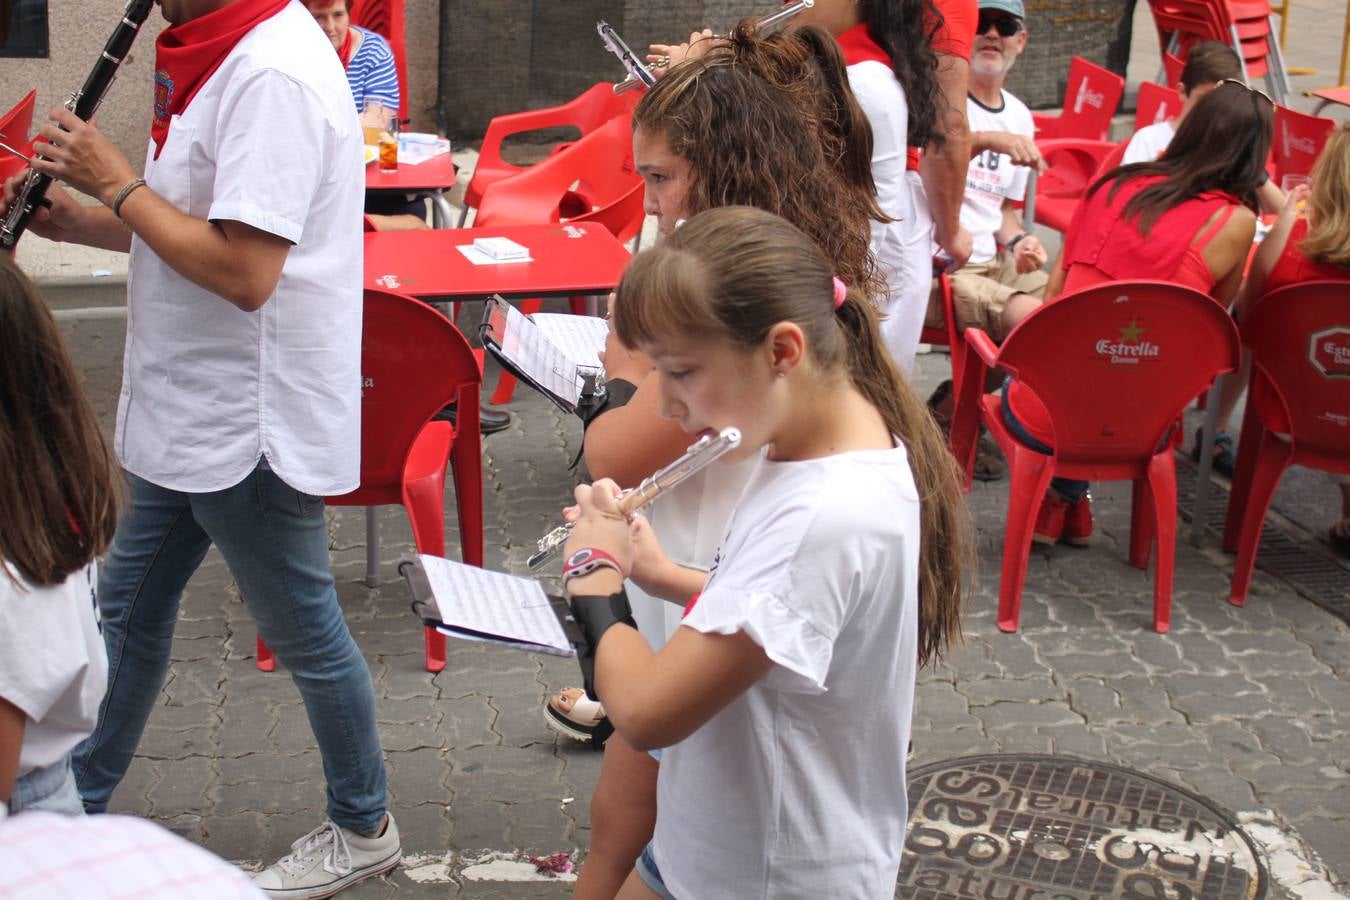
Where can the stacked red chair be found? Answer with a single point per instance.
(1245, 25)
(413, 363)
(1114, 366)
(585, 113)
(385, 18)
(1298, 406)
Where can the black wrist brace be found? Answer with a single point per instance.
(593, 615)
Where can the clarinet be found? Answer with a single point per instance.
(640, 75)
(84, 104)
(700, 453)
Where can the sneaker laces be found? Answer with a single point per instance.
(326, 842)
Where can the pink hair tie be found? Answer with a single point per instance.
(840, 291)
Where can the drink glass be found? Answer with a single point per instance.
(389, 146)
(1289, 182)
(374, 118)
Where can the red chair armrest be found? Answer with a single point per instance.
(983, 346)
(503, 126)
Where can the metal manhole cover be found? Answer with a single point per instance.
(1034, 827)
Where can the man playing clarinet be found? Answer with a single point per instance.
(240, 400)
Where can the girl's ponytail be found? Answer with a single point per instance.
(946, 548)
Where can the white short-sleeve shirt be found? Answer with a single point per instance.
(53, 665)
(270, 140)
(797, 787)
(901, 245)
(992, 178)
(1148, 143)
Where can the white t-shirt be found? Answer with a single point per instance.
(689, 521)
(1149, 142)
(908, 276)
(270, 140)
(992, 177)
(797, 787)
(52, 662)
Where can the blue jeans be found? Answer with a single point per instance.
(651, 875)
(275, 542)
(47, 790)
(1070, 489)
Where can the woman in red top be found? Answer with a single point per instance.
(1299, 248)
(1187, 217)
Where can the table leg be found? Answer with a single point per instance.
(372, 547)
(442, 214)
(1202, 485)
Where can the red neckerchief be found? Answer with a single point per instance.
(346, 50)
(858, 46)
(187, 55)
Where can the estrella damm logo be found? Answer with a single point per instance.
(1129, 348)
(1329, 352)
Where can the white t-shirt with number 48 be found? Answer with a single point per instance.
(992, 177)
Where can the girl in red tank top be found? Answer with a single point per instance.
(1186, 217)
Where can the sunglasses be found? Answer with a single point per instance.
(1006, 26)
(1247, 87)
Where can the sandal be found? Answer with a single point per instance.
(1224, 460)
(1340, 537)
(571, 713)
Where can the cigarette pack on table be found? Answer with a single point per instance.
(500, 248)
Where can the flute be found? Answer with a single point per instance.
(700, 453)
(644, 75)
(84, 104)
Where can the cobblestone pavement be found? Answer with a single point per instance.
(1247, 707)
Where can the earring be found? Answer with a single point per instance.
(782, 374)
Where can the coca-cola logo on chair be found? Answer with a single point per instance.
(1329, 352)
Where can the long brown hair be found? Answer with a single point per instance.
(733, 273)
(1328, 239)
(58, 482)
(906, 30)
(770, 122)
(1221, 145)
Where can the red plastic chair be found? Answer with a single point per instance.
(1299, 139)
(385, 18)
(1072, 167)
(1173, 66)
(1298, 406)
(1114, 366)
(413, 363)
(14, 126)
(1156, 104)
(1242, 24)
(1090, 100)
(599, 170)
(586, 112)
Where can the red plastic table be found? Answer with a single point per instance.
(431, 178)
(566, 261)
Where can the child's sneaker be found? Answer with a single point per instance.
(1078, 522)
(330, 859)
(1050, 519)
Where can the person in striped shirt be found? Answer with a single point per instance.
(365, 55)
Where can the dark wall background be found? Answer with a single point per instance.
(510, 55)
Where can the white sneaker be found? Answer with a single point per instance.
(330, 859)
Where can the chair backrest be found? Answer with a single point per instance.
(414, 362)
(599, 169)
(1156, 103)
(1172, 68)
(1299, 139)
(385, 18)
(598, 104)
(1299, 338)
(1115, 364)
(1090, 100)
(14, 127)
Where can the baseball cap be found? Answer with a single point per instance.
(1011, 7)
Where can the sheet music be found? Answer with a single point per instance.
(494, 603)
(580, 338)
(528, 348)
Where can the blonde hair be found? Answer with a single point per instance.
(731, 274)
(1328, 239)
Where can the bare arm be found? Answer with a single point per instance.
(1269, 252)
(1055, 286)
(943, 169)
(629, 443)
(13, 721)
(237, 262)
(1226, 255)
